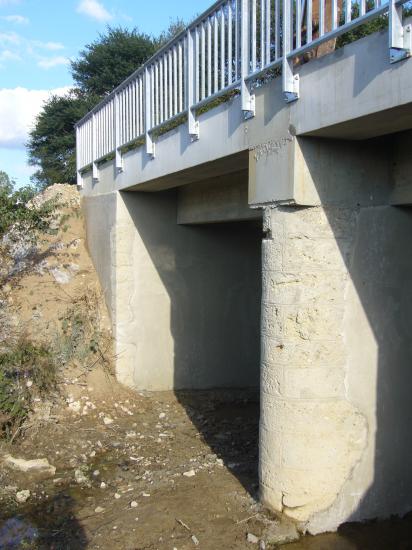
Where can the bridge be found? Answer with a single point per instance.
(247, 199)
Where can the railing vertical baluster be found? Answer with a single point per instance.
(321, 17)
(170, 83)
(268, 29)
(141, 104)
(95, 171)
(309, 21)
(203, 61)
(334, 14)
(130, 92)
(229, 43)
(298, 25)
(348, 11)
(150, 146)
(209, 57)
(262, 33)
(222, 50)
(277, 29)
(161, 88)
(290, 81)
(196, 65)
(237, 30)
(253, 35)
(362, 7)
(79, 148)
(215, 53)
(180, 72)
(193, 125)
(248, 100)
(156, 104)
(175, 80)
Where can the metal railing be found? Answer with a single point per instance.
(230, 46)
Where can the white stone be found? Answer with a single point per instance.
(39, 466)
(23, 496)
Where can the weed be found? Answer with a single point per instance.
(26, 370)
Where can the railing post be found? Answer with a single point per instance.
(117, 144)
(150, 146)
(193, 124)
(400, 41)
(78, 149)
(289, 80)
(95, 169)
(248, 99)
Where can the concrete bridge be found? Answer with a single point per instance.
(247, 210)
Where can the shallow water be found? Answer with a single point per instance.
(392, 534)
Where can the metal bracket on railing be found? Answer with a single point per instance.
(290, 81)
(248, 99)
(400, 41)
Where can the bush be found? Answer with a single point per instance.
(26, 370)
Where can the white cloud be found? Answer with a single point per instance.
(18, 110)
(17, 19)
(94, 9)
(52, 46)
(8, 55)
(10, 38)
(50, 62)
(9, 2)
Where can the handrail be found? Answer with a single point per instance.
(231, 45)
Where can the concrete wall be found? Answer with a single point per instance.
(219, 199)
(186, 300)
(336, 349)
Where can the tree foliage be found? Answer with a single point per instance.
(18, 213)
(52, 142)
(107, 61)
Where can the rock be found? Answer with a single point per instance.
(60, 276)
(262, 545)
(117, 496)
(75, 406)
(99, 510)
(38, 467)
(107, 420)
(23, 496)
(190, 473)
(281, 532)
(103, 485)
(81, 478)
(253, 539)
(162, 415)
(133, 504)
(195, 540)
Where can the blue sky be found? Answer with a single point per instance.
(38, 37)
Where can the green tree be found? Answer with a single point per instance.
(6, 183)
(16, 210)
(52, 142)
(107, 61)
